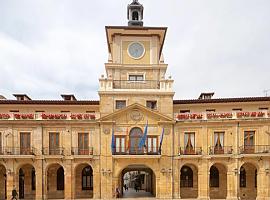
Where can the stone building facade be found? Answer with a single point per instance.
(68, 149)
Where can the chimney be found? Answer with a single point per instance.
(22, 97)
(68, 97)
(206, 95)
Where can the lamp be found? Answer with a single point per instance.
(267, 171)
(235, 171)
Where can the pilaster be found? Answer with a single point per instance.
(68, 179)
(203, 181)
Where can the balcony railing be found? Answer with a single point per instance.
(53, 151)
(125, 84)
(17, 151)
(220, 150)
(80, 151)
(135, 151)
(253, 149)
(190, 151)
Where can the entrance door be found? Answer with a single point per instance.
(21, 184)
(83, 143)
(25, 148)
(135, 136)
(249, 141)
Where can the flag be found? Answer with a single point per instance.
(143, 139)
(161, 140)
(127, 140)
(113, 142)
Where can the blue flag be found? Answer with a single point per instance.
(161, 140)
(113, 142)
(143, 139)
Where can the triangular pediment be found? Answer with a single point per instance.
(136, 113)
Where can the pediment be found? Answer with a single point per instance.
(136, 114)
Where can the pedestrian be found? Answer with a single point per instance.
(14, 193)
(117, 191)
(125, 186)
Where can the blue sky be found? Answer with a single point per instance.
(51, 47)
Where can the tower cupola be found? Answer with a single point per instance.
(135, 14)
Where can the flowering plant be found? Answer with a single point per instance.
(4, 116)
(219, 115)
(23, 116)
(189, 116)
(53, 116)
(82, 116)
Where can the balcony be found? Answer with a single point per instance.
(125, 84)
(254, 149)
(82, 152)
(17, 151)
(53, 151)
(220, 150)
(190, 151)
(136, 151)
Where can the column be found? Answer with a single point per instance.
(232, 183)
(262, 186)
(68, 179)
(39, 179)
(176, 180)
(203, 181)
(96, 183)
(10, 184)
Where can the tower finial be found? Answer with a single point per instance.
(135, 14)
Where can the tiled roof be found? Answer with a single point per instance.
(50, 102)
(221, 100)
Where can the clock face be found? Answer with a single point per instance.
(136, 50)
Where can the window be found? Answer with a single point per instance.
(249, 141)
(14, 111)
(210, 110)
(152, 144)
(263, 108)
(60, 179)
(184, 111)
(135, 15)
(255, 178)
(87, 178)
(120, 142)
(189, 140)
(25, 148)
(186, 179)
(219, 142)
(65, 111)
(119, 104)
(237, 109)
(151, 104)
(214, 177)
(243, 178)
(54, 143)
(136, 78)
(83, 143)
(33, 177)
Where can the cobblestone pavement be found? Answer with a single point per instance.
(131, 193)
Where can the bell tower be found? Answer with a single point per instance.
(135, 14)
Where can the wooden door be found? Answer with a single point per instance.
(249, 141)
(54, 144)
(135, 136)
(25, 147)
(83, 142)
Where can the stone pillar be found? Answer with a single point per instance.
(203, 181)
(10, 184)
(176, 180)
(232, 184)
(96, 184)
(39, 179)
(262, 186)
(68, 180)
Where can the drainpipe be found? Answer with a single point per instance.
(42, 173)
(237, 164)
(172, 159)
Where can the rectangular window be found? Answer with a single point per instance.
(237, 109)
(249, 141)
(83, 143)
(184, 111)
(25, 148)
(136, 77)
(152, 145)
(263, 108)
(210, 110)
(219, 142)
(120, 144)
(151, 104)
(54, 143)
(189, 140)
(119, 104)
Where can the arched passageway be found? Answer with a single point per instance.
(248, 181)
(3, 182)
(27, 182)
(84, 181)
(55, 182)
(218, 181)
(137, 181)
(189, 182)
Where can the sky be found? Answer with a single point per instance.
(53, 47)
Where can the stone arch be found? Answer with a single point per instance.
(188, 181)
(84, 186)
(218, 181)
(248, 180)
(3, 181)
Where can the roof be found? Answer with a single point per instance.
(221, 100)
(50, 102)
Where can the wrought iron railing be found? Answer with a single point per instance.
(146, 84)
(82, 151)
(17, 151)
(213, 150)
(136, 151)
(190, 151)
(252, 149)
(53, 151)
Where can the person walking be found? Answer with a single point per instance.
(14, 193)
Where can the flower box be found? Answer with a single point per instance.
(53, 116)
(4, 116)
(82, 116)
(24, 116)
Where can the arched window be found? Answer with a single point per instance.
(135, 15)
(33, 177)
(87, 178)
(243, 177)
(214, 177)
(255, 178)
(60, 179)
(186, 177)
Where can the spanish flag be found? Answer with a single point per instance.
(127, 140)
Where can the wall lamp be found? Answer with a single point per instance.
(235, 171)
(166, 171)
(267, 171)
(106, 172)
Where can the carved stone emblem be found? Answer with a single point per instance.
(136, 115)
(106, 131)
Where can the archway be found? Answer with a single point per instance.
(137, 181)
(248, 181)
(189, 182)
(3, 182)
(27, 182)
(218, 181)
(84, 181)
(55, 182)
(135, 136)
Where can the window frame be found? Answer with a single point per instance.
(85, 176)
(122, 144)
(60, 179)
(121, 107)
(186, 180)
(84, 149)
(152, 101)
(152, 149)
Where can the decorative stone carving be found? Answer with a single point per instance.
(106, 130)
(136, 115)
